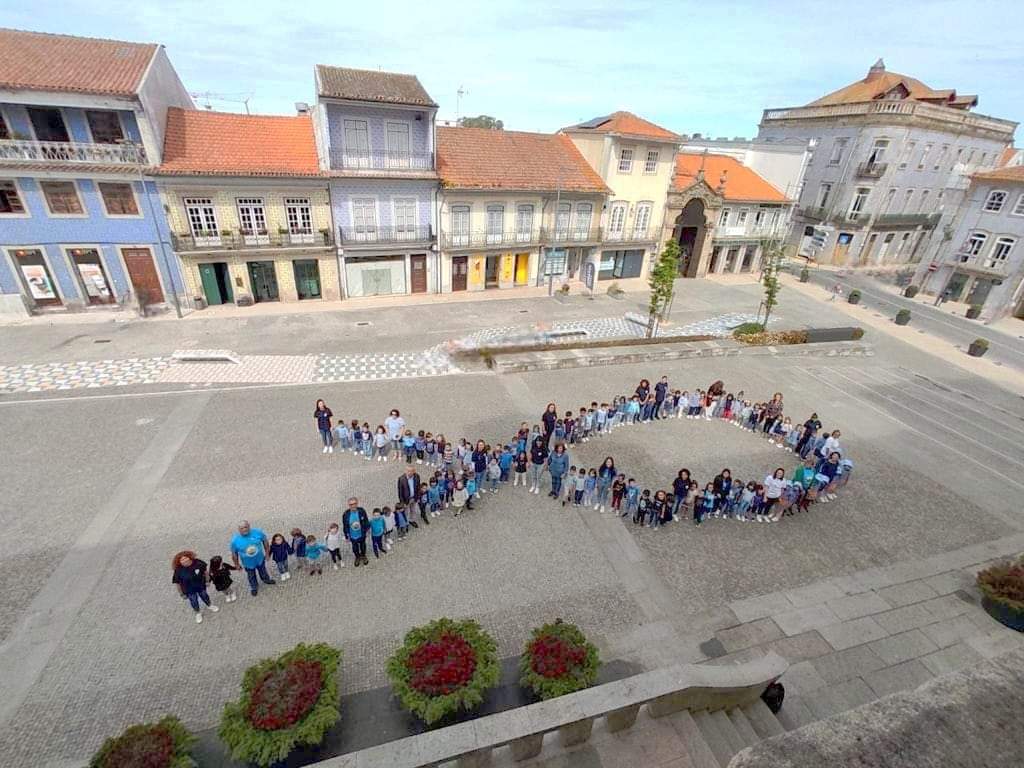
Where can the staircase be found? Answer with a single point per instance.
(712, 738)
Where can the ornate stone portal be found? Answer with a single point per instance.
(691, 215)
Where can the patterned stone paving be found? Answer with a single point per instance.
(431, 362)
(250, 369)
(90, 374)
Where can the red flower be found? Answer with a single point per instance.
(151, 747)
(553, 657)
(442, 666)
(284, 695)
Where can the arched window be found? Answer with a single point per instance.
(995, 201)
(1000, 253)
(975, 242)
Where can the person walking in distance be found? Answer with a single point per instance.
(356, 524)
(548, 419)
(250, 549)
(409, 491)
(190, 577)
(322, 416)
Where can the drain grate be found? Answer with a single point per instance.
(101, 341)
(363, 322)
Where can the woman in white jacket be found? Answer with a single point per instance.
(773, 487)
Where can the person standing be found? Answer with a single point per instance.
(394, 426)
(250, 549)
(356, 525)
(538, 458)
(548, 419)
(811, 427)
(660, 393)
(772, 413)
(322, 416)
(190, 576)
(409, 490)
(558, 465)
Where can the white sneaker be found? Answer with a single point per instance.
(385, 458)
(379, 458)
(199, 618)
(419, 461)
(330, 449)
(335, 566)
(324, 450)
(212, 608)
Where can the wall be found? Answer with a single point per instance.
(238, 269)
(420, 131)
(161, 88)
(224, 196)
(385, 191)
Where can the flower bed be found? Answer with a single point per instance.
(442, 667)
(286, 702)
(165, 744)
(558, 660)
(1002, 585)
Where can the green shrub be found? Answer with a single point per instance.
(854, 296)
(286, 702)
(858, 333)
(911, 291)
(903, 314)
(982, 343)
(1004, 583)
(747, 329)
(165, 744)
(442, 667)
(558, 660)
(805, 275)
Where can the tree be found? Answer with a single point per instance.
(662, 282)
(482, 121)
(771, 261)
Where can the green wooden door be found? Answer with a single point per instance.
(211, 289)
(307, 278)
(264, 280)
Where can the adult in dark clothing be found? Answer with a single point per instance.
(322, 416)
(548, 419)
(409, 487)
(643, 389)
(356, 525)
(660, 393)
(190, 576)
(480, 457)
(680, 487)
(538, 458)
(717, 389)
(811, 427)
(723, 486)
(772, 413)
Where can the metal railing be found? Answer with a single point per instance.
(907, 220)
(230, 240)
(629, 235)
(381, 160)
(126, 153)
(355, 236)
(570, 235)
(485, 239)
(974, 261)
(871, 170)
(747, 231)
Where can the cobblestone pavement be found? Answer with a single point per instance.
(82, 375)
(431, 362)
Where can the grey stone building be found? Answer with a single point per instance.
(890, 164)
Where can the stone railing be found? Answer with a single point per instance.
(908, 108)
(125, 153)
(522, 730)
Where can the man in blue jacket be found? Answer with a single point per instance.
(356, 526)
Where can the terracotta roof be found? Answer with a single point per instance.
(479, 158)
(1012, 173)
(626, 124)
(1010, 156)
(741, 183)
(37, 61)
(879, 82)
(371, 85)
(201, 143)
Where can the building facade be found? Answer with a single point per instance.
(636, 160)
(888, 168)
(249, 208)
(375, 136)
(982, 261)
(81, 222)
(516, 209)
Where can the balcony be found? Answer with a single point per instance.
(483, 239)
(975, 263)
(906, 220)
(384, 162)
(871, 170)
(629, 235)
(226, 240)
(570, 235)
(23, 150)
(814, 213)
(746, 232)
(369, 237)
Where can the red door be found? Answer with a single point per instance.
(460, 269)
(418, 272)
(142, 272)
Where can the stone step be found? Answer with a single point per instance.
(765, 724)
(794, 714)
(700, 752)
(726, 727)
(824, 702)
(715, 739)
(743, 727)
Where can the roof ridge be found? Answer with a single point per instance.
(81, 37)
(371, 71)
(237, 114)
(492, 130)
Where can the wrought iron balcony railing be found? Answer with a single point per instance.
(629, 235)
(385, 161)
(355, 236)
(230, 240)
(485, 239)
(871, 170)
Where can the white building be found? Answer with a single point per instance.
(890, 162)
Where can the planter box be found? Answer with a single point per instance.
(902, 320)
(973, 313)
(1005, 615)
(817, 335)
(854, 298)
(976, 350)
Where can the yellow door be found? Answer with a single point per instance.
(522, 268)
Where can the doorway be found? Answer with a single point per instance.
(92, 278)
(955, 286)
(690, 230)
(460, 269)
(522, 268)
(216, 282)
(48, 124)
(716, 252)
(418, 273)
(979, 291)
(491, 271)
(307, 278)
(263, 280)
(143, 275)
(36, 277)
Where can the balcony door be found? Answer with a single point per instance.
(300, 220)
(252, 217)
(364, 219)
(524, 223)
(398, 145)
(460, 225)
(642, 221)
(584, 215)
(48, 124)
(202, 220)
(405, 218)
(562, 216)
(357, 144)
(617, 220)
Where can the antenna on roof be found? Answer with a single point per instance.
(206, 98)
(458, 102)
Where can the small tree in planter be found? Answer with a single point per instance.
(978, 348)
(443, 667)
(558, 660)
(286, 702)
(662, 282)
(165, 744)
(854, 297)
(805, 275)
(911, 291)
(902, 317)
(974, 312)
(1002, 587)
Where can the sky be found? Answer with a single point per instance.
(693, 67)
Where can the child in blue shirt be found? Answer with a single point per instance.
(357, 437)
(430, 450)
(299, 548)
(642, 508)
(434, 496)
(632, 497)
(471, 488)
(420, 443)
(314, 553)
(590, 488)
(409, 446)
(401, 521)
(342, 435)
(424, 499)
(377, 532)
(279, 551)
(505, 462)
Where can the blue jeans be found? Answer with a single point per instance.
(282, 566)
(535, 472)
(556, 484)
(195, 597)
(260, 569)
(602, 492)
(493, 481)
(325, 435)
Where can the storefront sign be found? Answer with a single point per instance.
(588, 275)
(92, 278)
(554, 261)
(38, 281)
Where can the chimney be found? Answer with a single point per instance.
(876, 71)
(301, 108)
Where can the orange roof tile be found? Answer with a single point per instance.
(479, 158)
(741, 183)
(1010, 156)
(1011, 173)
(225, 144)
(878, 82)
(38, 61)
(626, 124)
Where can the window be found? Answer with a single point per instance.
(651, 165)
(922, 205)
(741, 217)
(562, 216)
(970, 156)
(838, 149)
(4, 133)
(48, 124)
(584, 216)
(860, 199)
(405, 218)
(524, 223)
(202, 217)
(776, 214)
(495, 222)
(299, 215)
(357, 142)
(878, 151)
(759, 217)
(824, 192)
(10, 200)
(941, 158)
(460, 225)
(1018, 209)
(398, 144)
(904, 241)
(723, 217)
(890, 196)
(1000, 253)
(938, 200)
(364, 218)
(62, 198)
(975, 242)
(908, 152)
(643, 219)
(252, 218)
(981, 163)
(995, 201)
(956, 157)
(118, 199)
(617, 218)
(104, 126)
(625, 160)
(908, 196)
(924, 157)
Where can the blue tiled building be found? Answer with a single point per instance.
(376, 141)
(81, 123)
